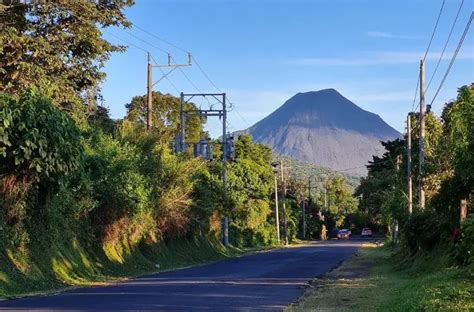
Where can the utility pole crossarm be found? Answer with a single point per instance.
(150, 83)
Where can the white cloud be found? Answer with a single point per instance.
(400, 96)
(381, 58)
(386, 35)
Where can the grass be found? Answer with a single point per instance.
(47, 269)
(373, 280)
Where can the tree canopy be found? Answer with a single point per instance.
(57, 47)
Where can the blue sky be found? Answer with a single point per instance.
(262, 52)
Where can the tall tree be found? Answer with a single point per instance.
(57, 47)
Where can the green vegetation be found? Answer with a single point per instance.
(372, 281)
(448, 179)
(86, 199)
(113, 200)
(57, 48)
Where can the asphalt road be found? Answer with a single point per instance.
(262, 281)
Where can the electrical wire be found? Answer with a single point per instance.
(466, 29)
(199, 67)
(434, 30)
(145, 41)
(426, 52)
(169, 80)
(125, 41)
(416, 94)
(159, 38)
(445, 45)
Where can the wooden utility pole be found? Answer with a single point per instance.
(422, 133)
(150, 84)
(285, 225)
(277, 218)
(149, 98)
(409, 176)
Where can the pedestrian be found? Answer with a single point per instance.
(324, 232)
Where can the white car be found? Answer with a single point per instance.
(366, 232)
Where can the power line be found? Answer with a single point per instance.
(146, 42)
(159, 38)
(232, 106)
(434, 30)
(169, 80)
(205, 75)
(199, 67)
(125, 41)
(426, 52)
(416, 93)
(445, 45)
(466, 29)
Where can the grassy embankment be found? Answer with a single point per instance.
(374, 281)
(45, 269)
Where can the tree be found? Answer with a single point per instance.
(341, 203)
(57, 47)
(165, 116)
(250, 182)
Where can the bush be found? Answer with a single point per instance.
(119, 186)
(464, 249)
(422, 231)
(37, 140)
(39, 145)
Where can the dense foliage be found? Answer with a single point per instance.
(448, 179)
(57, 47)
(118, 189)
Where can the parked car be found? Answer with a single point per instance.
(333, 233)
(343, 234)
(366, 232)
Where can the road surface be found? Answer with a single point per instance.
(263, 281)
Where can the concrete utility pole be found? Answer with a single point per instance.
(285, 225)
(224, 166)
(221, 113)
(303, 217)
(409, 176)
(422, 132)
(150, 84)
(325, 194)
(277, 218)
(149, 97)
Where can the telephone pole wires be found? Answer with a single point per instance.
(422, 134)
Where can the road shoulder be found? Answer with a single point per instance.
(374, 280)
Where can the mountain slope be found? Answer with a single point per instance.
(325, 128)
